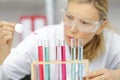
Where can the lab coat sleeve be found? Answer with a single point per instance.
(116, 55)
(116, 58)
(17, 64)
(113, 61)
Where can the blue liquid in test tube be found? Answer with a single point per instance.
(80, 57)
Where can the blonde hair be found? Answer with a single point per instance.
(96, 46)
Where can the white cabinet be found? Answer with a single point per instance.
(11, 10)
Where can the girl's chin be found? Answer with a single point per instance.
(68, 42)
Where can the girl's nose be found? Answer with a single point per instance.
(74, 28)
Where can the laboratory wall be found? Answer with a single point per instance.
(114, 14)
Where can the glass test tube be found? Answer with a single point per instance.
(80, 57)
(58, 58)
(40, 58)
(63, 57)
(47, 58)
(73, 57)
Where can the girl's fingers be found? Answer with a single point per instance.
(5, 23)
(5, 36)
(6, 28)
(96, 73)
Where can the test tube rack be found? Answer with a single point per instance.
(34, 63)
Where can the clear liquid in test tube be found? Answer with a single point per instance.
(73, 57)
(58, 58)
(80, 49)
(80, 57)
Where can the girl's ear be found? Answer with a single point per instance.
(102, 26)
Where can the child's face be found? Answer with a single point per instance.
(80, 22)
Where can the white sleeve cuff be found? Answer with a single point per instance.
(117, 66)
(1, 72)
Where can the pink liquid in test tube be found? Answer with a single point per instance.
(40, 58)
(63, 56)
(58, 58)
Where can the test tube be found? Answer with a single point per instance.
(47, 66)
(80, 57)
(58, 58)
(73, 57)
(80, 49)
(40, 58)
(63, 57)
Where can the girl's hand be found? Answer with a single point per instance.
(6, 38)
(105, 74)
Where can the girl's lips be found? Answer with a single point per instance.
(70, 37)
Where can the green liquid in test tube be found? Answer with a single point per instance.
(73, 57)
(80, 57)
(47, 66)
